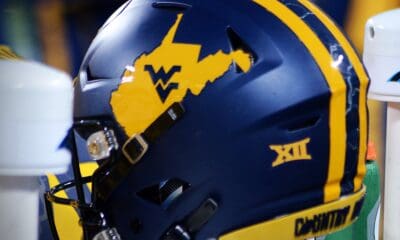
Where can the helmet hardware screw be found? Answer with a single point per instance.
(93, 148)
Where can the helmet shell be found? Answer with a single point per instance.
(279, 131)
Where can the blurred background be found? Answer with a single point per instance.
(58, 33)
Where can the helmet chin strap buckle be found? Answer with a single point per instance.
(193, 222)
(135, 148)
(138, 144)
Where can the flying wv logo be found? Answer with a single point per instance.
(166, 75)
(161, 80)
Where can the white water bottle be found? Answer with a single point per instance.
(36, 114)
(382, 60)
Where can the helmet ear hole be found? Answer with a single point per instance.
(165, 192)
(237, 43)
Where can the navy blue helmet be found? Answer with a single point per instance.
(219, 119)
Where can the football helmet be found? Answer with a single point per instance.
(219, 119)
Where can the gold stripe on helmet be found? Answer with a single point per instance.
(363, 78)
(337, 85)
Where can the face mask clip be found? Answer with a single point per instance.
(101, 143)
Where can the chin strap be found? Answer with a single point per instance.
(108, 176)
(186, 229)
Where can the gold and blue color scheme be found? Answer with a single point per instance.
(240, 112)
(296, 151)
(165, 76)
